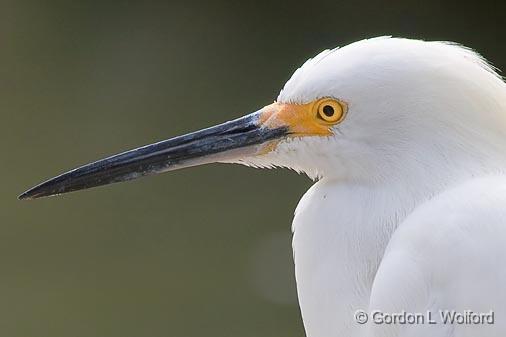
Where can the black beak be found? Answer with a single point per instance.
(225, 142)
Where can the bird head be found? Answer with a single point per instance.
(373, 109)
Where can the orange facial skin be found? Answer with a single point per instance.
(304, 119)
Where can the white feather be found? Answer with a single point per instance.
(426, 121)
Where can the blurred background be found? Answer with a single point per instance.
(200, 252)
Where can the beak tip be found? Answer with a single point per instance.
(25, 196)
(31, 194)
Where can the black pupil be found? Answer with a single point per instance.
(328, 110)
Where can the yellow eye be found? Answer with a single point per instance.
(330, 110)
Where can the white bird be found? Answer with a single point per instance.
(407, 142)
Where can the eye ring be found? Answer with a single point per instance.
(330, 110)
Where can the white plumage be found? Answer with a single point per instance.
(409, 212)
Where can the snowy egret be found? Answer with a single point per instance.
(407, 219)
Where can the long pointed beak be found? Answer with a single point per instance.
(225, 142)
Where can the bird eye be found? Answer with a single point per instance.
(330, 110)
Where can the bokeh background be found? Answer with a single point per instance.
(200, 252)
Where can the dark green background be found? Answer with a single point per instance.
(200, 252)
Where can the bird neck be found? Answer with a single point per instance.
(341, 230)
(340, 233)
